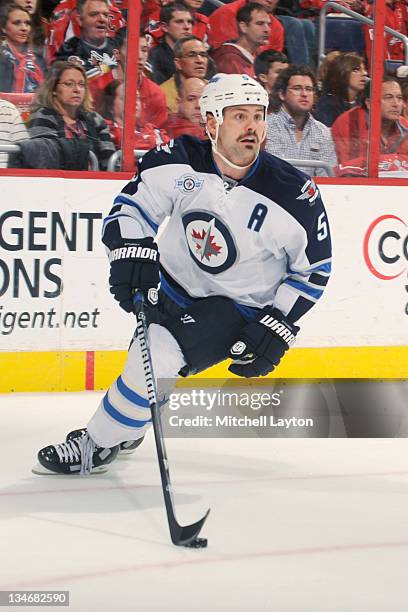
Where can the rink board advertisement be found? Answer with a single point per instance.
(55, 305)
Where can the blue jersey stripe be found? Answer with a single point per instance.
(120, 199)
(316, 293)
(326, 267)
(121, 418)
(173, 294)
(130, 395)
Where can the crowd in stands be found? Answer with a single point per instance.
(63, 79)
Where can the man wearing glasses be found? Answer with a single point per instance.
(292, 132)
(191, 61)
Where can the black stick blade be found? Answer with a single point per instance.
(183, 536)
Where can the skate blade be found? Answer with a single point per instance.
(125, 453)
(40, 470)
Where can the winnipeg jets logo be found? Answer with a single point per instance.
(204, 241)
(309, 192)
(189, 183)
(210, 242)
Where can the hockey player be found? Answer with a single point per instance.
(245, 253)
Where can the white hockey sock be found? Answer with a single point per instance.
(124, 412)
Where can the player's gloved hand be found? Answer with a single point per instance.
(262, 344)
(135, 267)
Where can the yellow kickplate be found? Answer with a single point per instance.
(79, 370)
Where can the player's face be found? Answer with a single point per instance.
(94, 21)
(70, 90)
(180, 25)
(194, 59)
(18, 27)
(241, 133)
(391, 101)
(274, 70)
(29, 5)
(299, 96)
(257, 30)
(188, 103)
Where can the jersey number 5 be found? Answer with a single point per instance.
(322, 231)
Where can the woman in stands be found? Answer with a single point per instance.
(63, 109)
(147, 135)
(38, 22)
(342, 86)
(21, 68)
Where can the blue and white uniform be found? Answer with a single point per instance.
(260, 241)
(263, 241)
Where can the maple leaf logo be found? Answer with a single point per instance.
(205, 243)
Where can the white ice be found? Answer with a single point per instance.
(296, 525)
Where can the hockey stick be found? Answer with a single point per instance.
(180, 535)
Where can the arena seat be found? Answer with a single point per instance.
(22, 101)
(391, 66)
(344, 34)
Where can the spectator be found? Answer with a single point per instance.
(342, 86)
(298, 34)
(404, 91)
(63, 116)
(350, 130)
(12, 128)
(201, 25)
(253, 32)
(292, 132)
(93, 49)
(38, 23)
(190, 60)
(152, 98)
(224, 27)
(150, 16)
(65, 22)
(324, 66)
(146, 134)
(21, 69)
(188, 119)
(268, 65)
(396, 17)
(177, 22)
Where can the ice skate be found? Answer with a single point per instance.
(79, 455)
(125, 448)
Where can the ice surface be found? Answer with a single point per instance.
(315, 525)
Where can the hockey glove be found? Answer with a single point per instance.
(262, 344)
(134, 267)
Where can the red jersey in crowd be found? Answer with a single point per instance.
(146, 136)
(201, 27)
(177, 125)
(389, 165)
(233, 59)
(153, 103)
(396, 17)
(223, 27)
(350, 135)
(64, 24)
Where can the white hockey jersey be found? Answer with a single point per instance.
(263, 241)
